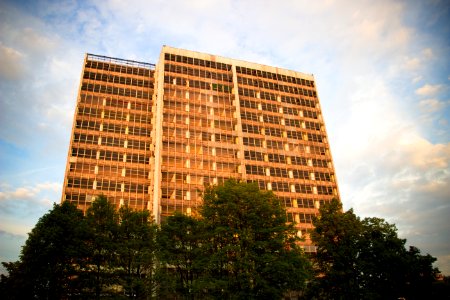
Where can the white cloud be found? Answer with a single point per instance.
(428, 53)
(431, 105)
(11, 67)
(27, 192)
(417, 79)
(429, 90)
(26, 203)
(406, 180)
(412, 64)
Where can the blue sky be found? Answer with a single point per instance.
(382, 70)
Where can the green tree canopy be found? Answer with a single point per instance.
(136, 252)
(251, 250)
(103, 242)
(51, 260)
(365, 259)
(180, 242)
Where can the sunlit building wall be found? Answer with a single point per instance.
(196, 119)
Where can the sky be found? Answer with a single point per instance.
(381, 68)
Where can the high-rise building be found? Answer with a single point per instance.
(152, 136)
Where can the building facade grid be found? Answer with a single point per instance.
(153, 136)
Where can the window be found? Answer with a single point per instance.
(277, 158)
(83, 183)
(318, 150)
(305, 218)
(88, 111)
(86, 153)
(112, 141)
(224, 125)
(299, 174)
(253, 155)
(312, 125)
(137, 158)
(287, 202)
(322, 176)
(309, 114)
(247, 92)
(320, 163)
(280, 186)
(275, 145)
(292, 122)
(136, 144)
(278, 172)
(300, 161)
(225, 153)
(255, 170)
(92, 125)
(246, 115)
(140, 131)
(113, 128)
(271, 119)
(315, 137)
(248, 141)
(110, 155)
(324, 190)
(290, 110)
(294, 135)
(85, 138)
(305, 203)
(268, 96)
(269, 107)
(273, 131)
(250, 128)
(303, 189)
(224, 138)
(249, 104)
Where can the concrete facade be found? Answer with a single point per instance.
(152, 136)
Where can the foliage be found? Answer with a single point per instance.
(102, 219)
(240, 247)
(136, 252)
(52, 257)
(180, 247)
(365, 259)
(251, 250)
(68, 255)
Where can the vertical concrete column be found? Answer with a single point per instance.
(157, 138)
(239, 123)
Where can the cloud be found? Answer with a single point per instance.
(428, 53)
(11, 67)
(429, 90)
(412, 63)
(406, 180)
(432, 105)
(417, 79)
(26, 203)
(8, 247)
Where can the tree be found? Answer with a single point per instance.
(136, 252)
(364, 259)
(420, 275)
(336, 234)
(252, 252)
(52, 259)
(102, 219)
(180, 248)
